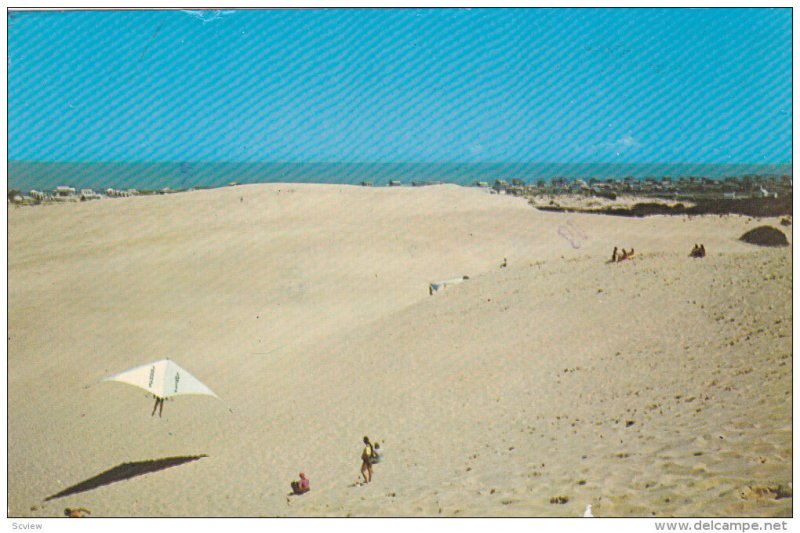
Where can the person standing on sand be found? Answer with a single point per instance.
(614, 255)
(366, 460)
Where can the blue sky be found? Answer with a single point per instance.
(559, 85)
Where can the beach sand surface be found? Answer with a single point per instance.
(659, 386)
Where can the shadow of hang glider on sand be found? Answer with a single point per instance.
(123, 472)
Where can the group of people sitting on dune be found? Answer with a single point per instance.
(616, 256)
(698, 251)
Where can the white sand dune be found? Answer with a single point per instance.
(658, 385)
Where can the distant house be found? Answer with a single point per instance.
(631, 184)
(64, 191)
(578, 186)
(366, 184)
(394, 183)
(500, 185)
(117, 193)
(89, 194)
(764, 193)
(39, 196)
(482, 184)
(603, 190)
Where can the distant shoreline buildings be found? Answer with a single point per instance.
(65, 193)
(683, 188)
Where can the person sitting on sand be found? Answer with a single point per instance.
(504, 264)
(631, 253)
(76, 512)
(624, 255)
(302, 486)
(366, 460)
(698, 251)
(614, 255)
